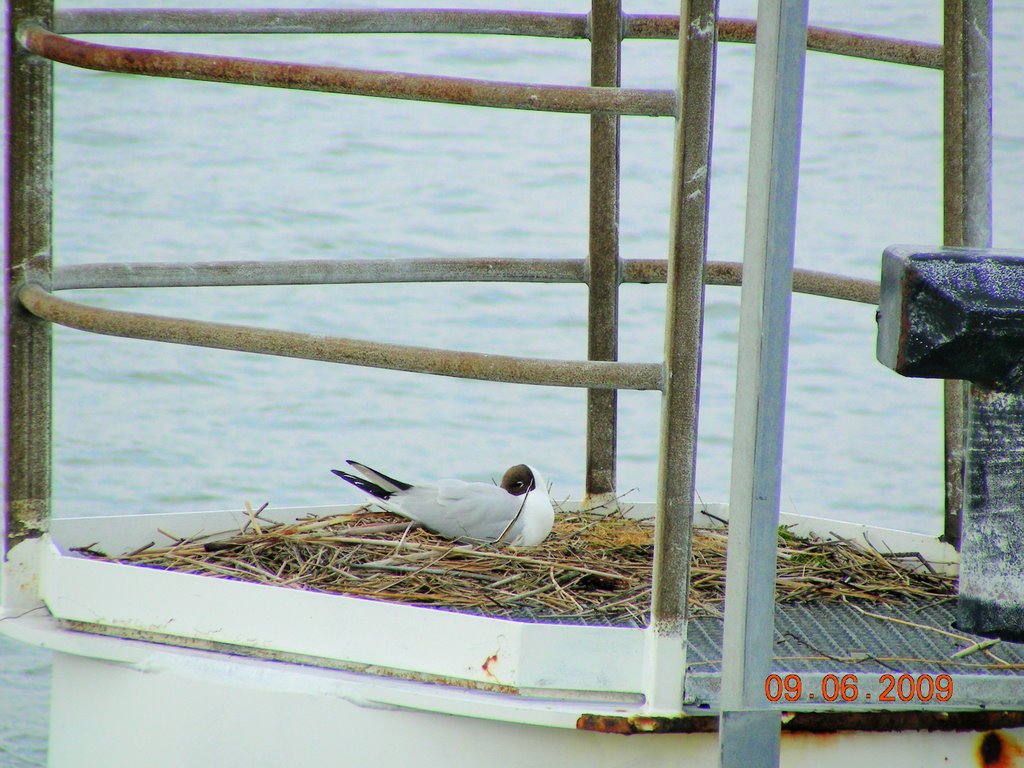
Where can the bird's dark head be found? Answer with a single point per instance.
(518, 480)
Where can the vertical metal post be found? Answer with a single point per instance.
(684, 321)
(27, 339)
(749, 730)
(967, 221)
(967, 191)
(603, 267)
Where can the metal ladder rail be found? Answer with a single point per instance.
(966, 192)
(604, 265)
(749, 724)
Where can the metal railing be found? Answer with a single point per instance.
(605, 100)
(39, 36)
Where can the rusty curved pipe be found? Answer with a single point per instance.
(329, 79)
(464, 21)
(242, 338)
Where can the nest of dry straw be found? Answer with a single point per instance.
(593, 569)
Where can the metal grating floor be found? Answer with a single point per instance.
(839, 637)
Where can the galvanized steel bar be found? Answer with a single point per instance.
(466, 365)
(308, 77)
(27, 342)
(334, 271)
(319, 21)
(316, 272)
(665, 662)
(457, 21)
(749, 729)
(841, 43)
(821, 39)
(807, 281)
(967, 194)
(603, 270)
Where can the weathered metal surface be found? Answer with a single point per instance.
(953, 313)
(902, 720)
(28, 422)
(603, 268)
(319, 21)
(823, 39)
(966, 191)
(991, 600)
(822, 722)
(749, 738)
(954, 391)
(819, 722)
(467, 365)
(804, 281)
(362, 82)
(630, 725)
(327, 271)
(967, 124)
(749, 734)
(684, 321)
(959, 313)
(458, 21)
(731, 273)
(954, 397)
(316, 272)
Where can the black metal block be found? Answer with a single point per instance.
(953, 313)
(958, 313)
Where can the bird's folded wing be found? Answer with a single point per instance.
(465, 510)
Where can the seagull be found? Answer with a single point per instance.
(518, 512)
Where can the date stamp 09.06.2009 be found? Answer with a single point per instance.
(881, 689)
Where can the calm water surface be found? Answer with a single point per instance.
(151, 170)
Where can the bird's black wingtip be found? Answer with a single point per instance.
(379, 477)
(364, 485)
(354, 479)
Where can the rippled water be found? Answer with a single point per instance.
(152, 170)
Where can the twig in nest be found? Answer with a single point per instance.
(980, 646)
(972, 647)
(253, 515)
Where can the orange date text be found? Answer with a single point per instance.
(863, 689)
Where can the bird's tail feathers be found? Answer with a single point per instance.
(365, 485)
(388, 483)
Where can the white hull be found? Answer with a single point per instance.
(176, 708)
